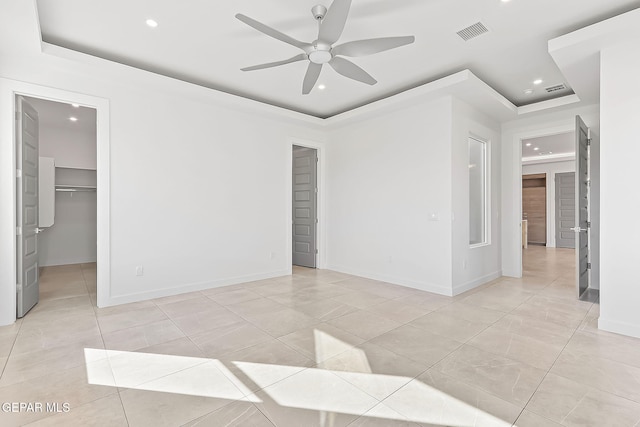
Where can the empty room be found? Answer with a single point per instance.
(349, 213)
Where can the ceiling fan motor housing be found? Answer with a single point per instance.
(319, 11)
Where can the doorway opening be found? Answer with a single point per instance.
(562, 166)
(56, 209)
(304, 207)
(542, 159)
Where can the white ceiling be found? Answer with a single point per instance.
(200, 41)
(557, 145)
(56, 114)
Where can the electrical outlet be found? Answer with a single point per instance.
(139, 270)
(272, 255)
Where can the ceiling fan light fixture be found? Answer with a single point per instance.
(320, 56)
(322, 51)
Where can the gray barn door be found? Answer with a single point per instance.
(565, 209)
(28, 288)
(304, 206)
(582, 207)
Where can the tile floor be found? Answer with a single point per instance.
(322, 348)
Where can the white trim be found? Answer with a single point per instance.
(464, 287)
(193, 287)
(622, 328)
(549, 158)
(409, 283)
(185, 89)
(548, 104)
(8, 91)
(321, 174)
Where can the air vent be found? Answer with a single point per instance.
(472, 31)
(555, 88)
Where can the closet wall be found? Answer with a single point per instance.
(72, 145)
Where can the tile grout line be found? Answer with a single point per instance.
(13, 344)
(549, 371)
(104, 345)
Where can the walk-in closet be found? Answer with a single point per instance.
(67, 183)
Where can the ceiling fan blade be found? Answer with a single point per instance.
(351, 70)
(371, 46)
(333, 23)
(296, 58)
(270, 31)
(310, 79)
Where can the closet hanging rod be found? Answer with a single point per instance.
(74, 189)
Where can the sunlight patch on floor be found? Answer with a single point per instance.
(164, 373)
(354, 391)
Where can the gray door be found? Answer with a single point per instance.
(565, 210)
(582, 207)
(305, 161)
(28, 288)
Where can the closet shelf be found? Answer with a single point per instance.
(75, 188)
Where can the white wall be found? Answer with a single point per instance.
(72, 238)
(619, 154)
(473, 266)
(385, 176)
(70, 149)
(513, 132)
(550, 169)
(198, 179)
(399, 189)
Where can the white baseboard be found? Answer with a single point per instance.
(409, 283)
(192, 287)
(68, 262)
(621, 328)
(512, 273)
(458, 289)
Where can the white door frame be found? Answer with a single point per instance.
(9, 89)
(516, 184)
(320, 231)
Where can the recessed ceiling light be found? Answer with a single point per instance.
(322, 87)
(505, 1)
(535, 148)
(528, 92)
(550, 152)
(75, 105)
(151, 23)
(528, 144)
(537, 81)
(73, 119)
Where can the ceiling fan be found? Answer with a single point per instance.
(331, 22)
